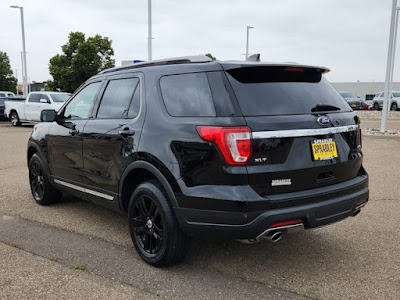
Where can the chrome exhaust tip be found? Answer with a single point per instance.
(274, 236)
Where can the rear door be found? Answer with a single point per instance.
(111, 138)
(304, 135)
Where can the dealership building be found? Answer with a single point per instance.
(366, 90)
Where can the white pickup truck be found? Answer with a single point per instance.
(21, 111)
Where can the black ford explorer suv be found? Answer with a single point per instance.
(189, 147)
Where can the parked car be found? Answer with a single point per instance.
(29, 110)
(353, 100)
(394, 101)
(4, 94)
(191, 147)
(369, 102)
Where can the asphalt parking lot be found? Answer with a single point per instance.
(77, 250)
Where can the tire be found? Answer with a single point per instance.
(42, 191)
(14, 119)
(376, 106)
(154, 230)
(394, 106)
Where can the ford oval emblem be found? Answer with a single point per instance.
(324, 120)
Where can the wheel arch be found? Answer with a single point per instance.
(141, 171)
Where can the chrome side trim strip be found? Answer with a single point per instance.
(302, 132)
(84, 190)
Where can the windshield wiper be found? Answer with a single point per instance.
(324, 107)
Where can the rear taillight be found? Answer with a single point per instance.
(234, 143)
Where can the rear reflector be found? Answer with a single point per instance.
(293, 222)
(234, 143)
(294, 69)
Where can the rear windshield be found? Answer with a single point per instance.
(348, 95)
(264, 91)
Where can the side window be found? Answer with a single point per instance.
(187, 95)
(117, 98)
(34, 98)
(135, 103)
(79, 107)
(2, 95)
(45, 97)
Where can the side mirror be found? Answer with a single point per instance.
(48, 115)
(44, 101)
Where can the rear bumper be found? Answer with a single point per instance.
(336, 203)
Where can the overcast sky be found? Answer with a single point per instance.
(348, 36)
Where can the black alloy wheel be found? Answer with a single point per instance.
(393, 106)
(153, 226)
(42, 191)
(149, 228)
(376, 106)
(36, 180)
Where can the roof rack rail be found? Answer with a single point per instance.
(162, 62)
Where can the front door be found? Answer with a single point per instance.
(65, 139)
(111, 138)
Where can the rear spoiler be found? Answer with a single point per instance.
(229, 65)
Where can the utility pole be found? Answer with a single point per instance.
(389, 67)
(149, 41)
(247, 41)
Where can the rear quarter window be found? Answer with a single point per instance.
(187, 95)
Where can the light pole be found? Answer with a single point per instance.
(149, 41)
(394, 52)
(247, 41)
(389, 66)
(24, 68)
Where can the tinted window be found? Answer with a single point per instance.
(117, 98)
(2, 95)
(79, 107)
(187, 95)
(10, 95)
(34, 98)
(45, 97)
(396, 94)
(135, 103)
(282, 91)
(60, 98)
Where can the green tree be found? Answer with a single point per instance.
(7, 80)
(81, 59)
(211, 56)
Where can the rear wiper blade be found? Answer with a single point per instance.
(324, 107)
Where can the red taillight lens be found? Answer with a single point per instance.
(234, 143)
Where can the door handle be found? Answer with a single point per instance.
(73, 132)
(126, 132)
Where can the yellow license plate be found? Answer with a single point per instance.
(353, 105)
(324, 149)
